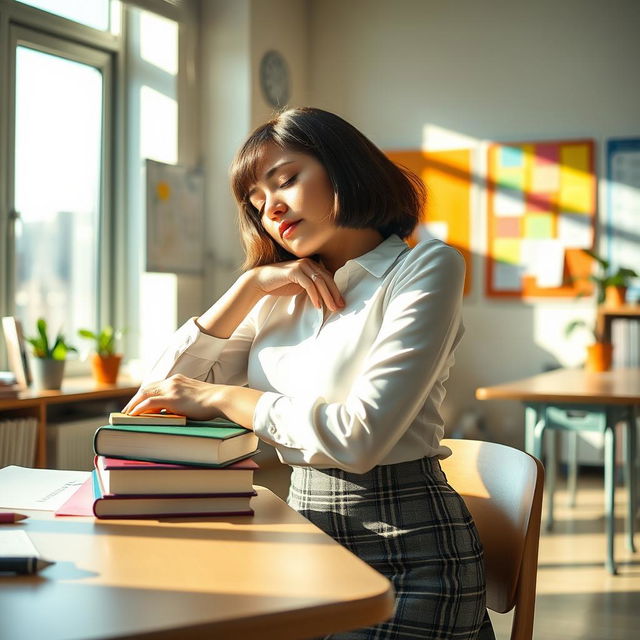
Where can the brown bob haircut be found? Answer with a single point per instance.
(370, 190)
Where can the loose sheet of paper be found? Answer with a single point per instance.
(17, 544)
(38, 489)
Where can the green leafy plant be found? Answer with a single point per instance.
(581, 324)
(42, 348)
(105, 340)
(608, 278)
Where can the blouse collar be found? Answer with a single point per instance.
(379, 260)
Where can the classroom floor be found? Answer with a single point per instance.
(577, 599)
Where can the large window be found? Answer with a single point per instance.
(98, 14)
(59, 142)
(93, 90)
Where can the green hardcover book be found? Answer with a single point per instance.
(211, 443)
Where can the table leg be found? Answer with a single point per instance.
(532, 415)
(551, 473)
(609, 492)
(572, 466)
(630, 472)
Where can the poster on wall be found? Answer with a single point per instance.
(541, 214)
(623, 205)
(447, 214)
(175, 219)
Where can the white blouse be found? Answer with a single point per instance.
(354, 388)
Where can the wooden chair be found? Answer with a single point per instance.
(502, 488)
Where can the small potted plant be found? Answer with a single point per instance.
(105, 362)
(600, 353)
(48, 359)
(611, 285)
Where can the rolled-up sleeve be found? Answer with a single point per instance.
(418, 331)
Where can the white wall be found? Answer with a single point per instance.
(491, 70)
(234, 35)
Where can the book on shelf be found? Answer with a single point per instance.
(147, 418)
(132, 477)
(211, 443)
(107, 505)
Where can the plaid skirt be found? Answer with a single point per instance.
(406, 522)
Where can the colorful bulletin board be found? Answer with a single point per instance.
(447, 215)
(623, 203)
(541, 213)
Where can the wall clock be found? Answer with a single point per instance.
(274, 78)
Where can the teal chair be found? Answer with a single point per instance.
(595, 419)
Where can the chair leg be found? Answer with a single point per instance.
(551, 474)
(572, 470)
(609, 492)
(630, 473)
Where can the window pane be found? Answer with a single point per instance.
(57, 190)
(93, 13)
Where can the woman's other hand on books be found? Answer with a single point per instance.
(177, 394)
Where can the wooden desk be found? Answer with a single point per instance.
(605, 399)
(619, 386)
(36, 403)
(274, 575)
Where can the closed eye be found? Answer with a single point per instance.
(289, 182)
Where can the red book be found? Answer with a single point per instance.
(137, 477)
(168, 506)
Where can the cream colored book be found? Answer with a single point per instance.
(148, 418)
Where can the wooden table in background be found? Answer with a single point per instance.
(598, 402)
(271, 576)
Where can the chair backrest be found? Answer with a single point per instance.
(502, 488)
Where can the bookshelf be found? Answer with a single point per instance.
(606, 315)
(74, 392)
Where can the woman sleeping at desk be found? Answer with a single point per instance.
(334, 346)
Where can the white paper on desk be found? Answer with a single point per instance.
(17, 544)
(38, 489)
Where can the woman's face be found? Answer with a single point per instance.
(296, 201)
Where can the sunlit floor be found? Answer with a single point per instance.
(577, 598)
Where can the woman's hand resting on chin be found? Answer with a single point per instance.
(294, 276)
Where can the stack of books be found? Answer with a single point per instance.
(9, 388)
(161, 465)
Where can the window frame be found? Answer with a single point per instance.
(115, 262)
(23, 37)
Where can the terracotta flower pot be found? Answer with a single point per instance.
(599, 356)
(105, 368)
(615, 296)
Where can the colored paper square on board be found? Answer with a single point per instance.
(540, 202)
(508, 202)
(507, 227)
(575, 157)
(507, 250)
(511, 157)
(511, 178)
(576, 198)
(538, 225)
(575, 230)
(545, 178)
(546, 154)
